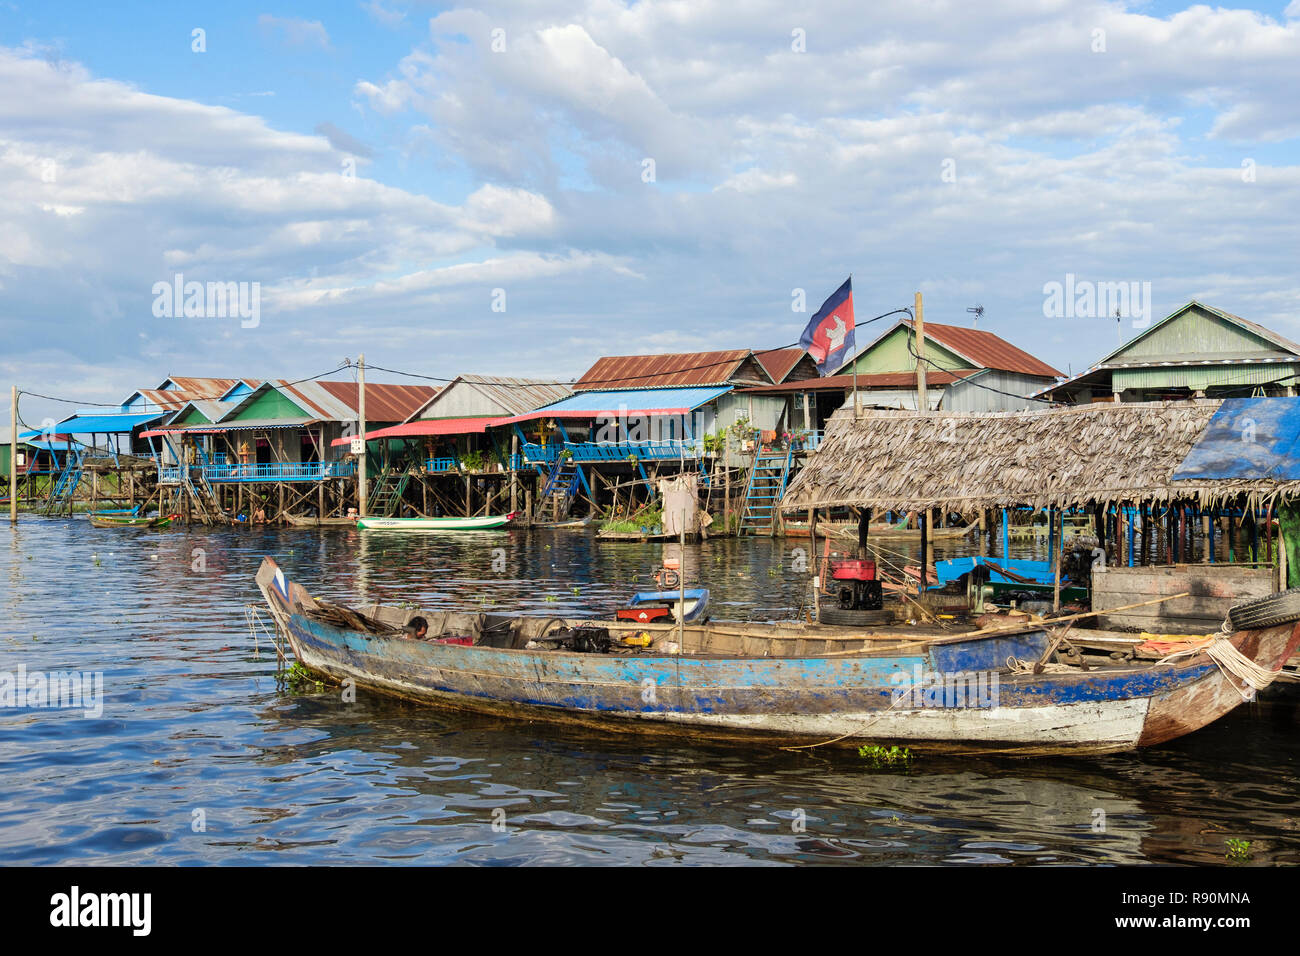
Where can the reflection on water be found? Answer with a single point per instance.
(200, 756)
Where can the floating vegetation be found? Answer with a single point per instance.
(878, 757)
(1238, 850)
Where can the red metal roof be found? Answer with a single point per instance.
(988, 350)
(427, 426)
(778, 363)
(384, 403)
(664, 371)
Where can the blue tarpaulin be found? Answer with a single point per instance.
(1251, 438)
(99, 424)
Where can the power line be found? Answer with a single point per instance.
(604, 381)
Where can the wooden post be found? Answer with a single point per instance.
(812, 554)
(923, 518)
(726, 480)
(514, 475)
(1056, 572)
(13, 454)
(361, 415)
(922, 402)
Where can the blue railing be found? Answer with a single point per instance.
(615, 451)
(268, 471)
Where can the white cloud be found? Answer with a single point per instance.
(296, 31)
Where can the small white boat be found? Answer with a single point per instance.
(483, 523)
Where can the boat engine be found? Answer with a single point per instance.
(859, 589)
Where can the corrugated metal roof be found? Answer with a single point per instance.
(1250, 438)
(384, 403)
(988, 350)
(430, 426)
(778, 363)
(643, 401)
(670, 370)
(105, 424)
(515, 395)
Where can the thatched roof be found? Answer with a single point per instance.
(902, 461)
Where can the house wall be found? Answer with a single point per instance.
(969, 397)
(462, 400)
(891, 354)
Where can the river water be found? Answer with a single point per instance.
(201, 755)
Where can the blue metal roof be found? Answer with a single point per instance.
(633, 401)
(100, 424)
(1250, 438)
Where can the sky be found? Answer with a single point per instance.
(520, 188)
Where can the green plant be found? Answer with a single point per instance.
(296, 675)
(878, 756)
(1238, 850)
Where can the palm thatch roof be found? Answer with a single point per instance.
(904, 461)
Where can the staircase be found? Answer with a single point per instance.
(763, 491)
(205, 508)
(558, 492)
(388, 494)
(65, 488)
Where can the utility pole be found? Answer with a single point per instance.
(922, 402)
(13, 454)
(361, 413)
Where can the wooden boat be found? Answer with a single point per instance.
(799, 529)
(299, 521)
(125, 521)
(796, 684)
(485, 523)
(647, 606)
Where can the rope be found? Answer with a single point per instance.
(1253, 677)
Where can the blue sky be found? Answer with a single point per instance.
(381, 169)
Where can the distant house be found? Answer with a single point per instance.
(1197, 351)
(967, 370)
(281, 430)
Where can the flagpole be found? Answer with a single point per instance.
(855, 357)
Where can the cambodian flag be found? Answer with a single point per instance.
(829, 335)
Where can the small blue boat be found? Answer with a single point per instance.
(647, 606)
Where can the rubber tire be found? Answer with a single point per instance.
(1280, 608)
(842, 618)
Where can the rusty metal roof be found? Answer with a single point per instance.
(778, 363)
(988, 350)
(338, 400)
(671, 370)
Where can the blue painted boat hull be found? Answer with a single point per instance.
(953, 695)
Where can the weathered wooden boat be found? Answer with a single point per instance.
(125, 521)
(484, 523)
(790, 684)
(663, 606)
(300, 521)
